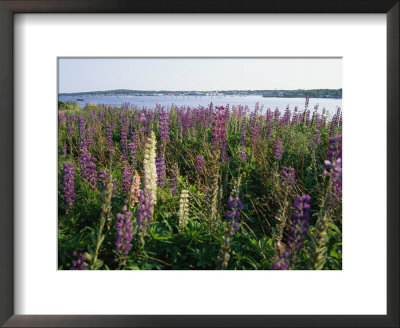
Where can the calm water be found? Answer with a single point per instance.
(195, 101)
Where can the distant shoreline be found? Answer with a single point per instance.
(313, 93)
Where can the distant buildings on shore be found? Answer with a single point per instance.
(298, 94)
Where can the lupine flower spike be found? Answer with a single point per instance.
(135, 189)
(124, 233)
(184, 208)
(68, 186)
(150, 169)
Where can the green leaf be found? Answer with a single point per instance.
(334, 227)
(89, 256)
(98, 264)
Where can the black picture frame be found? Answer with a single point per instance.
(7, 10)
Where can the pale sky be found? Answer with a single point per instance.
(202, 74)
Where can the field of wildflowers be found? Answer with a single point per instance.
(214, 187)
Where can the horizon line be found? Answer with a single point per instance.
(159, 90)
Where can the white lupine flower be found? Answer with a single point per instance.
(150, 170)
(184, 208)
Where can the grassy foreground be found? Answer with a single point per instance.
(199, 188)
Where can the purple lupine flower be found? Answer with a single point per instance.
(136, 117)
(227, 113)
(243, 132)
(124, 232)
(164, 125)
(78, 262)
(252, 119)
(87, 165)
(101, 115)
(318, 121)
(308, 120)
(110, 144)
(233, 212)
(160, 168)
(130, 130)
(126, 179)
(333, 169)
(278, 150)
(297, 233)
(269, 115)
(62, 119)
(255, 131)
(323, 117)
(339, 146)
(236, 111)
(286, 117)
(199, 164)
(338, 111)
(124, 142)
(335, 148)
(82, 127)
(74, 119)
(207, 115)
(218, 127)
(103, 177)
(334, 124)
(70, 129)
(133, 148)
(281, 261)
(91, 172)
(150, 121)
(269, 131)
(288, 176)
(295, 118)
(90, 136)
(256, 107)
(187, 121)
(277, 113)
(307, 101)
(145, 211)
(299, 227)
(242, 153)
(339, 114)
(68, 185)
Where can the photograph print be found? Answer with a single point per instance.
(199, 163)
